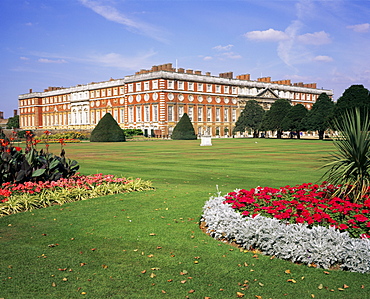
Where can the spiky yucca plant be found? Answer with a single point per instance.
(349, 167)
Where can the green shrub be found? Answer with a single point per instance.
(132, 132)
(107, 130)
(33, 165)
(184, 129)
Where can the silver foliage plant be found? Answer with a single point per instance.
(322, 246)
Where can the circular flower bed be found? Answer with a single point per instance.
(307, 203)
(301, 224)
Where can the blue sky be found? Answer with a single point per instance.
(69, 42)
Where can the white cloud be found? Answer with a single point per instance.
(24, 58)
(207, 58)
(46, 60)
(119, 61)
(323, 58)
(112, 14)
(360, 27)
(267, 35)
(231, 55)
(29, 24)
(223, 48)
(316, 38)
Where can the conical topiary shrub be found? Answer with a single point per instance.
(184, 129)
(107, 130)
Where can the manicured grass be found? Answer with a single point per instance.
(144, 241)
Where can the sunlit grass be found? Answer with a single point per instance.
(143, 241)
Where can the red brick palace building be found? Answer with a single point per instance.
(154, 101)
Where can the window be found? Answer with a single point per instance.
(226, 114)
(131, 87)
(97, 93)
(209, 114)
(122, 115)
(190, 86)
(226, 89)
(92, 117)
(209, 87)
(234, 115)
(103, 92)
(200, 112)
(217, 114)
(130, 114)
(146, 85)
(190, 113)
(146, 113)
(121, 90)
(109, 92)
(155, 84)
(155, 113)
(234, 90)
(115, 114)
(92, 94)
(170, 84)
(181, 85)
(138, 113)
(218, 88)
(200, 86)
(181, 111)
(115, 91)
(138, 86)
(170, 113)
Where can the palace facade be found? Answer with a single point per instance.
(154, 100)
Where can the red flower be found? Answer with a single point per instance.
(361, 218)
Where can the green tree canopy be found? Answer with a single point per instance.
(184, 129)
(273, 118)
(107, 130)
(250, 118)
(294, 119)
(13, 122)
(356, 96)
(319, 117)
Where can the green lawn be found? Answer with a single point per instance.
(148, 244)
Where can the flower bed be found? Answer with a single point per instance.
(317, 246)
(16, 198)
(306, 203)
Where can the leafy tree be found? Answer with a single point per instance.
(320, 115)
(273, 118)
(13, 122)
(250, 118)
(354, 96)
(184, 129)
(294, 120)
(107, 130)
(349, 167)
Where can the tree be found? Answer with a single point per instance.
(13, 122)
(107, 130)
(184, 129)
(319, 117)
(349, 167)
(293, 120)
(354, 96)
(250, 118)
(273, 118)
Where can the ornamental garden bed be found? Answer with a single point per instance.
(15, 198)
(302, 224)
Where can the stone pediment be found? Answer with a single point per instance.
(267, 93)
